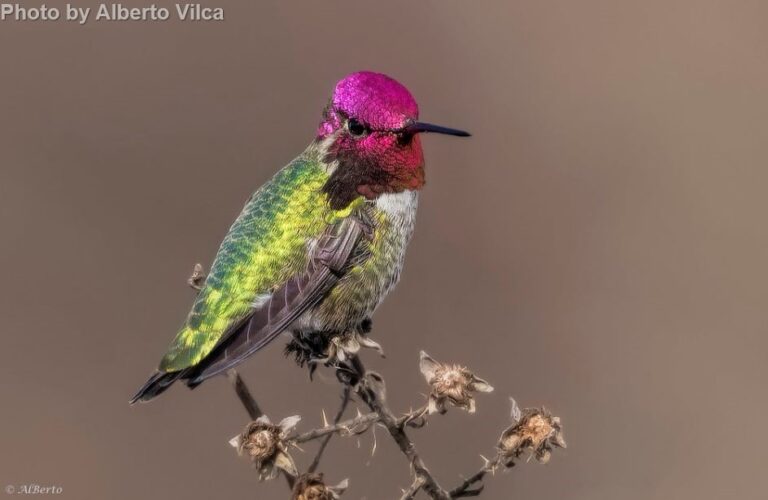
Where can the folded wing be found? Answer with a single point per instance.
(328, 262)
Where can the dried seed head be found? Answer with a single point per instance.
(264, 443)
(312, 487)
(536, 431)
(348, 344)
(450, 383)
(259, 442)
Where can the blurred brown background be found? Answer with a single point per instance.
(598, 246)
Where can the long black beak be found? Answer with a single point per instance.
(417, 127)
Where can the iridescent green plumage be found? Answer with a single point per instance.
(264, 247)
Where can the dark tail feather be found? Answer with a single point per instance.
(157, 383)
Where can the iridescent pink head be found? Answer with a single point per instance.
(370, 131)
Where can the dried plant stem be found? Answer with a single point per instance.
(355, 426)
(465, 489)
(411, 492)
(244, 394)
(370, 389)
(352, 426)
(369, 386)
(345, 397)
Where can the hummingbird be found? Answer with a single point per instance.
(318, 247)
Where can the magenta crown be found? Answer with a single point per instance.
(377, 100)
(380, 103)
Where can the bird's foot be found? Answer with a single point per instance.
(332, 349)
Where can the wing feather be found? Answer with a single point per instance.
(328, 261)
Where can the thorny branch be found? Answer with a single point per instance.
(351, 427)
(465, 488)
(371, 390)
(345, 397)
(534, 430)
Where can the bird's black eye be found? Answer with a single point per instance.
(355, 127)
(404, 138)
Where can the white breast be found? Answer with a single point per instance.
(400, 209)
(401, 205)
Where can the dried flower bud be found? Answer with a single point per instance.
(536, 431)
(312, 487)
(197, 279)
(450, 383)
(346, 345)
(264, 443)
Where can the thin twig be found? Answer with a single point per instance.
(415, 418)
(345, 397)
(410, 493)
(353, 426)
(244, 394)
(464, 490)
(357, 425)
